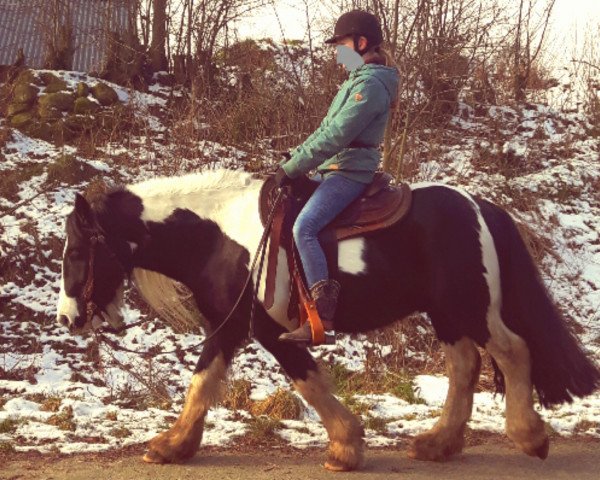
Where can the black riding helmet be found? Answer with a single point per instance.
(358, 23)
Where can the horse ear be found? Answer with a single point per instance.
(83, 209)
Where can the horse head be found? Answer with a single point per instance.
(93, 272)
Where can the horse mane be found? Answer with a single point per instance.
(215, 179)
(172, 301)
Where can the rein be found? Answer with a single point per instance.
(91, 308)
(260, 251)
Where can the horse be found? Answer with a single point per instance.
(456, 257)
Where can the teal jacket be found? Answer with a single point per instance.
(358, 113)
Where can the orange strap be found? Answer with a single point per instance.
(308, 311)
(316, 325)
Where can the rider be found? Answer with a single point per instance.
(344, 148)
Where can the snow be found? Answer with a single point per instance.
(118, 398)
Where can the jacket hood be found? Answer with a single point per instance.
(389, 76)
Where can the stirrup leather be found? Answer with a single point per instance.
(320, 336)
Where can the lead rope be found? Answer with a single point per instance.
(259, 251)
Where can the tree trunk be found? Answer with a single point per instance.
(158, 58)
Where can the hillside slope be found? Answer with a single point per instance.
(72, 394)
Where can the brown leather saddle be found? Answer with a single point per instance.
(380, 206)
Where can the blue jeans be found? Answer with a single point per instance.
(332, 196)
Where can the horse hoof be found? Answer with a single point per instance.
(428, 448)
(543, 449)
(426, 456)
(336, 466)
(152, 456)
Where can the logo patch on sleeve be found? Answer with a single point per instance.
(358, 97)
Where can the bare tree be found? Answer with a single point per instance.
(158, 57)
(58, 35)
(529, 39)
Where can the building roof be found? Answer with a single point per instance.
(23, 23)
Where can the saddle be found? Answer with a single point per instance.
(380, 206)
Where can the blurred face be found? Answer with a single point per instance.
(346, 55)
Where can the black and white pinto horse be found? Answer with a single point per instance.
(457, 257)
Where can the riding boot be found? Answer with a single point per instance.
(325, 294)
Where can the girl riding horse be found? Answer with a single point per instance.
(344, 150)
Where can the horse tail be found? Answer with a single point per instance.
(560, 370)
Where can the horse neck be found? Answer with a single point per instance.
(186, 227)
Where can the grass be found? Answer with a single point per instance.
(378, 424)
(237, 396)
(9, 425)
(348, 383)
(67, 169)
(11, 181)
(7, 447)
(112, 416)
(262, 429)
(283, 404)
(585, 425)
(47, 403)
(356, 406)
(51, 404)
(120, 432)
(63, 420)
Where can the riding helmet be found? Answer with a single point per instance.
(356, 23)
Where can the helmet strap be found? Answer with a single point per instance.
(355, 38)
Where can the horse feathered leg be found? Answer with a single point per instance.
(182, 440)
(524, 425)
(446, 438)
(345, 431)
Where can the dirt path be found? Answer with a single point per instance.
(569, 459)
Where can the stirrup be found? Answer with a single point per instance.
(303, 335)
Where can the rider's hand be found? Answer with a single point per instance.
(281, 178)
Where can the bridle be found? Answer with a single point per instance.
(91, 309)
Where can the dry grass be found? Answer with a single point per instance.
(537, 245)
(63, 420)
(51, 404)
(5, 136)
(378, 424)
(282, 405)
(9, 425)
(11, 181)
(7, 448)
(237, 396)
(262, 430)
(348, 383)
(120, 432)
(586, 425)
(67, 169)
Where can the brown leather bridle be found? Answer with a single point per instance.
(91, 308)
